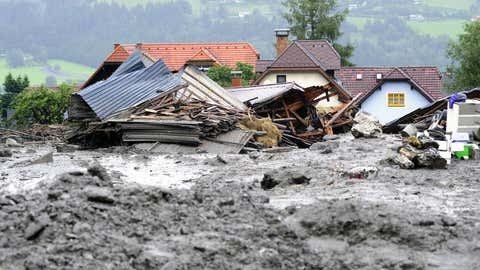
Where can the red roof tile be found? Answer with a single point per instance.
(176, 55)
(427, 79)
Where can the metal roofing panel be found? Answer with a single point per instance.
(137, 61)
(205, 88)
(124, 91)
(262, 93)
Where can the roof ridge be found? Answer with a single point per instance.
(325, 41)
(310, 55)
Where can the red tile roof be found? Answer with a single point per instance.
(176, 55)
(324, 52)
(427, 79)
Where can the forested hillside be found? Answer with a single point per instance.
(384, 32)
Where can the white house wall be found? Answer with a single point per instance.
(377, 103)
(304, 78)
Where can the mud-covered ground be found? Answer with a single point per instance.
(125, 209)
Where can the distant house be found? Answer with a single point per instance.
(177, 55)
(389, 93)
(308, 63)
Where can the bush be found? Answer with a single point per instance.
(247, 73)
(221, 74)
(41, 106)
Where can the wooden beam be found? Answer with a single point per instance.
(292, 128)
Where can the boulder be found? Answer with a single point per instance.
(324, 147)
(366, 125)
(362, 173)
(431, 159)
(401, 161)
(12, 143)
(5, 153)
(99, 195)
(283, 178)
(47, 158)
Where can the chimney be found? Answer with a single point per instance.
(236, 79)
(116, 45)
(282, 40)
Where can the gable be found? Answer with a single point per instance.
(176, 55)
(324, 52)
(294, 57)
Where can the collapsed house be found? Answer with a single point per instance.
(452, 123)
(299, 113)
(144, 102)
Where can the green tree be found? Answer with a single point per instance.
(316, 19)
(42, 106)
(12, 88)
(464, 55)
(247, 73)
(221, 74)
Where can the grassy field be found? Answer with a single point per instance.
(450, 28)
(37, 74)
(453, 4)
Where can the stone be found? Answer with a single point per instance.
(284, 178)
(34, 230)
(47, 158)
(366, 125)
(12, 143)
(99, 172)
(431, 159)
(401, 161)
(98, 194)
(5, 153)
(324, 147)
(331, 137)
(362, 173)
(66, 148)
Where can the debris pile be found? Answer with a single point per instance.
(366, 125)
(36, 132)
(419, 152)
(297, 112)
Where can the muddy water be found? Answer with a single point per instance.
(215, 215)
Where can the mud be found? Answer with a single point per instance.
(118, 209)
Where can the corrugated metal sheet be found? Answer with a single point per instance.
(128, 90)
(231, 142)
(137, 61)
(263, 93)
(205, 88)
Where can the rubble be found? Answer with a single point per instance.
(12, 143)
(283, 178)
(5, 152)
(47, 158)
(361, 173)
(366, 125)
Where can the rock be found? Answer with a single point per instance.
(5, 153)
(34, 230)
(12, 143)
(99, 172)
(47, 158)
(66, 148)
(430, 158)
(285, 178)
(401, 161)
(448, 222)
(324, 147)
(366, 125)
(331, 137)
(98, 194)
(362, 173)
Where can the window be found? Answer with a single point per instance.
(396, 99)
(281, 78)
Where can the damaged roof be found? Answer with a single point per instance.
(129, 89)
(363, 80)
(263, 93)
